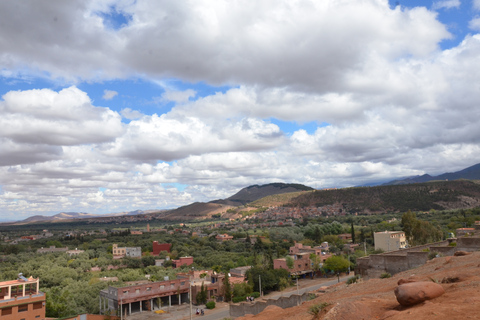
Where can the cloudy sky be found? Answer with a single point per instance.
(112, 106)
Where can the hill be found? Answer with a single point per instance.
(255, 192)
(201, 210)
(374, 299)
(194, 211)
(438, 195)
(470, 173)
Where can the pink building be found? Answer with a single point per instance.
(182, 261)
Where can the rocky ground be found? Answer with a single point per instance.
(375, 298)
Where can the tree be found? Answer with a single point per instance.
(315, 262)
(353, 233)
(290, 262)
(409, 221)
(228, 288)
(336, 264)
(202, 295)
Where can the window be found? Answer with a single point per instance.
(23, 308)
(37, 305)
(39, 317)
(182, 283)
(6, 311)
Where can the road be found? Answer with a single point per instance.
(304, 286)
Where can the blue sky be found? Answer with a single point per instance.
(113, 106)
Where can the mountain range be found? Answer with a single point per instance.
(369, 199)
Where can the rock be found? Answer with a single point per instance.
(409, 294)
(408, 280)
(461, 253)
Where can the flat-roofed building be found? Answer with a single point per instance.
(390, 240)
(21, 299)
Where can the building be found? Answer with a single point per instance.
(182, 261)
(159, 247)
(21, 299)
(132, 252)
(224, 237)
(390, 240)
(144, 297)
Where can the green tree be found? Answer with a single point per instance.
(202, 295)
(290, 262)
(228, 288)
(336, 264)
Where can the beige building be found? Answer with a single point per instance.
(390, 240)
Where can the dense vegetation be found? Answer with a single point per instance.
(72, 287)
(439, 195)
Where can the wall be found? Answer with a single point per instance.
(243, 308)
(401, 260)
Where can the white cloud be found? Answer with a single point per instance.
(474, 24)
(109, 94)
(476, 4)
(131, 114)
(446, 4)
(395, 104)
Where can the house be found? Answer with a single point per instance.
(132, 252)
(223, 237)
(159, 247)
(21, 299)
(390, 240)
(182, 261)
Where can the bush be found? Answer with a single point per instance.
(256, 295)
(385, 275)
(452, 244)
(238, 299)
(210, 305)
(317, 308)
(353, 279)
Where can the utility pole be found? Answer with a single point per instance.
(365, 246)
(260, 285)
(190, 289)
(121, 309)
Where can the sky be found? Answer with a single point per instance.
(112, 106)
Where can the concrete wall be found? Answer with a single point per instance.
(243, 308)
(468, 244)
(401, 260)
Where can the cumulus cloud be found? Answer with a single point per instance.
(219, 43)
(109, 94)
(390, 101)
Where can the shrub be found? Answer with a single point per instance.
(256, 295)
(385, 275)
(432, 255)
(238, 299)
(353, 279)
(452, 244)
(210, 305)
(317, 308)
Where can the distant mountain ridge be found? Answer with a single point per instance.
(470, 173)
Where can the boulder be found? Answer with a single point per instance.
(409, 294)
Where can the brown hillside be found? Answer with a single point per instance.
(375, 299)
(195, 211)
